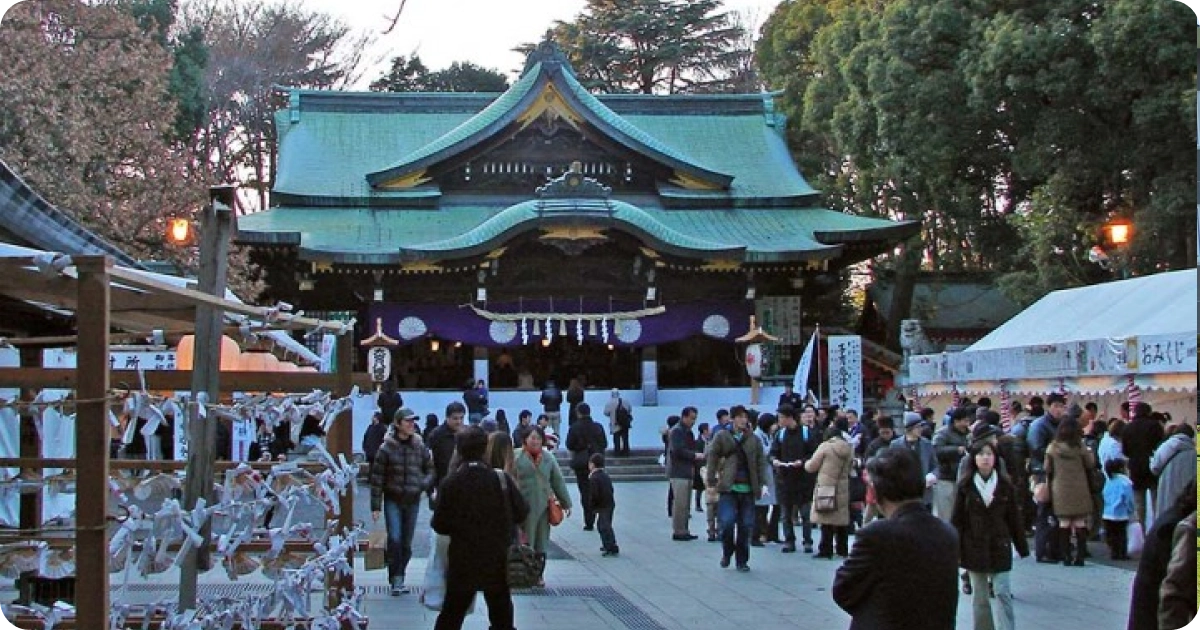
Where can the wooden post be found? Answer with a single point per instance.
(206, 370)
(341, 441)
(91, 423)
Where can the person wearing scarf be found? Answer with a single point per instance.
(538, 475)
(988, 520)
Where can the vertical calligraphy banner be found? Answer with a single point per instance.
(845, 372)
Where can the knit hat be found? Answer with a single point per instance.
(912, 419)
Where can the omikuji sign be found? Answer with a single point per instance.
(845, 372)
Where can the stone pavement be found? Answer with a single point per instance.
(657, 583)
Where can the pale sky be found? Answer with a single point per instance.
(479, 31)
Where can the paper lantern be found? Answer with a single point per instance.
(185, 353)
(231, 353)
(255, 362)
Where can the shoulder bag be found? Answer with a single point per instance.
(524, 565)
(825, 497)
(554, 509)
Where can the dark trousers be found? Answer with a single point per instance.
(454, 609)
(621, 442)
(1117, 537)
(1045, 536)
(585, 495)
(401, 521)
(608, 539)
(831, 535)
(736, 510)
(788, 513)
(766, 522)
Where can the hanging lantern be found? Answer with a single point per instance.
(180, 231)
(379, 363)
(754, 357)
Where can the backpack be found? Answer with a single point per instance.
(622, 416)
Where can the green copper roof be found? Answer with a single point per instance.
(511, 104)
(393, 235)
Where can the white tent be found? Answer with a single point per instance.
(1094, 341)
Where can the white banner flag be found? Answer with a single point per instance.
(845, 372)
(800, 380)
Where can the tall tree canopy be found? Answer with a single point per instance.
(254, 50)
(1013, 130)
(409, 74)
(89, 118)
(656, 47)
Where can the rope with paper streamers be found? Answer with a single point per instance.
(570, 317)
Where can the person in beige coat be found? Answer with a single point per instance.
(832, 462)
(1067, 464)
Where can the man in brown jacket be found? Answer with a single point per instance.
(737, 468)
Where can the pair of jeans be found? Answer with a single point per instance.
(454, 608)
(585, 495)
(985, 617)
(789, 512)
(736, 510)
(401, 521)
(608, 538)
(834, 535)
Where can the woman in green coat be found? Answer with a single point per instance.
(537, 475)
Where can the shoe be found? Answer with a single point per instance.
(743, 568)
(724, 562)
(684, 537)
(588, 528)
(400, 588)
(808, 548)
(824, 556)
(788, 549)
(609, 553)
(713, 538)
(756, 543)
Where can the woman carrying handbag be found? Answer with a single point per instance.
(540, 480)
(831, 497)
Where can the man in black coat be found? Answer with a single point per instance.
(442, 443)
(478, 513)
(1142, 436)
(584, 438)
(875, 584)
(793, 486)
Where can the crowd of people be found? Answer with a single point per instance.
(950, 498)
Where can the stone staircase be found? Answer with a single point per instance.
(640, 465)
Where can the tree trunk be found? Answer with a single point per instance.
(907, 266)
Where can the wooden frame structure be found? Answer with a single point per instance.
(104, 296)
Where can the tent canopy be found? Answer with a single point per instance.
(1161, 304)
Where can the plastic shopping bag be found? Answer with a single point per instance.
(1135, 540)
(434, 591)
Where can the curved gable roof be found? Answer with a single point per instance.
(511, 105)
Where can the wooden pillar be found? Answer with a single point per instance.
(206, 371)
(91, 422)
(341, 441)
(480, 365)
(650, 376)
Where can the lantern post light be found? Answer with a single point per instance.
(1119, 234)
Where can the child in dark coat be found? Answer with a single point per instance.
(603, 503)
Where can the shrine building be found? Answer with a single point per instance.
(547, 232)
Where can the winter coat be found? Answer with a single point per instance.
(902, 573)
(721, 461)
(610, 412)
(401, 471)
(1140, 439)
(1152, 568)
(574, 397)
(1067, 469)
(537, 488)
(1037, 440)
(389, 402)
(923, 449)
(373, 439)
(1118, 499)
(601, 490)
(987, 533)
(831, 462)
(681, 453)
(946, 443)
(1174, 462)
(769, 498)
(1177, 596)
(551, 399)
(793, 484)
(442, 446)
(472, 513)
(584, 438)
